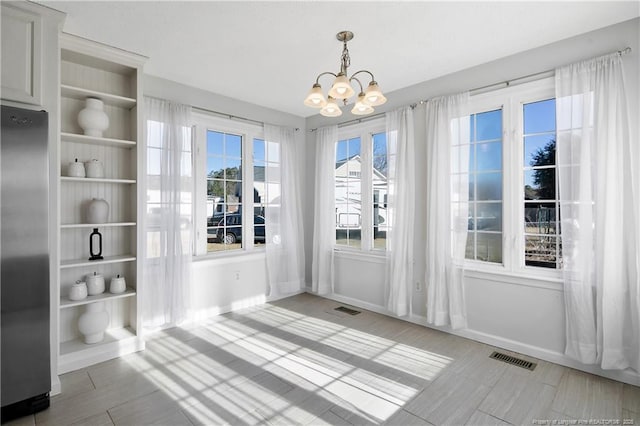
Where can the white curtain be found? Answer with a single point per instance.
(283, 212)
(400, 209)
(167, 261)
(324, 225)
(598, 186)
(447, 129)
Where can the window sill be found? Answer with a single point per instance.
(233, 257)
(361, 256)
(546, 281)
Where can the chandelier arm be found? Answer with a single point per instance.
(359, 83)
(324, 73)
(365, 71)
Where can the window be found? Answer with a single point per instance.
(541, 229)
(513, 205)
(230, 161)
(484, 239)
(224, 191)
(361, 187)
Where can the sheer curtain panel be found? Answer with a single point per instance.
(168, 225)
(400, 210)
(324, 224)
(447, 129)
(283, 216)
(598, 186)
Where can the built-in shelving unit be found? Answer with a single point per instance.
(93, 70)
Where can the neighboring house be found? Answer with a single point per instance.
(348, 194)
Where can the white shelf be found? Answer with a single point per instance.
(96, 225)
(78, 263)
(108, 98)
(96, 180)
(93, 140)
(75, 354)
(66, 303)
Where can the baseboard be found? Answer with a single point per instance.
(625, 376)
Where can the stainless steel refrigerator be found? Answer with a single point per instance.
(24, 200)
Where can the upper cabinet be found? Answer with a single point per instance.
(22, 61)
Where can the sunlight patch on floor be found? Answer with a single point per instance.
(324, 363)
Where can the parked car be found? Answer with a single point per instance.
(230, 229)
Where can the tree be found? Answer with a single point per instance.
(544, 179)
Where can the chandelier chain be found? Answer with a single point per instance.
(345, 60)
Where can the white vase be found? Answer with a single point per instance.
(97, 211)
(93, 323)
(92, 118)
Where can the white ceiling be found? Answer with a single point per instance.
(269, 53)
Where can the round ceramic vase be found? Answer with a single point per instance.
(92, 118)
(93, 323)
(97, 211)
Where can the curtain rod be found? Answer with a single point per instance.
(233, 117)
(477, 90)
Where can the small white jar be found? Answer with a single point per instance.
(76, 169)
(94, 169)
(97, 211)
(78, 291)
(95, 284)
(117, 285)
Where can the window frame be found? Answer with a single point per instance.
(365, 131)
(511, 100)
(204, 122)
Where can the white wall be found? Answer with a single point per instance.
(225, 282)
(517, 313)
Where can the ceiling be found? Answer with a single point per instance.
(269, 53)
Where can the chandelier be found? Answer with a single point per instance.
(342, 89)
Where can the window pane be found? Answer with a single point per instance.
(489, 156)
(215, 188)
(539, 150)
(540, 117)
(233, 146)
(215, 169)
(489, 216)
(542, 251)
(489, 186)
(489, 247)
(488, 125)
(540, 218)
(540, 184)
(259, 172)
(258, 150)
(215, 143)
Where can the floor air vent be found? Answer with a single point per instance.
(513, 360)
(347, 310)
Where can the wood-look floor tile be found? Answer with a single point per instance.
(74, 383)
(477, 365)
(176, 418)
(630, 417)
(478, 418)
(297, 406)
(518, 399)
(86, 404)
(404, 418)
(101, 419)
(631, 398)
(585, 396)
(450, 399)
(329, 418)
(144, 410)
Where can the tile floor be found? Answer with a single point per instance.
(298, 361)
